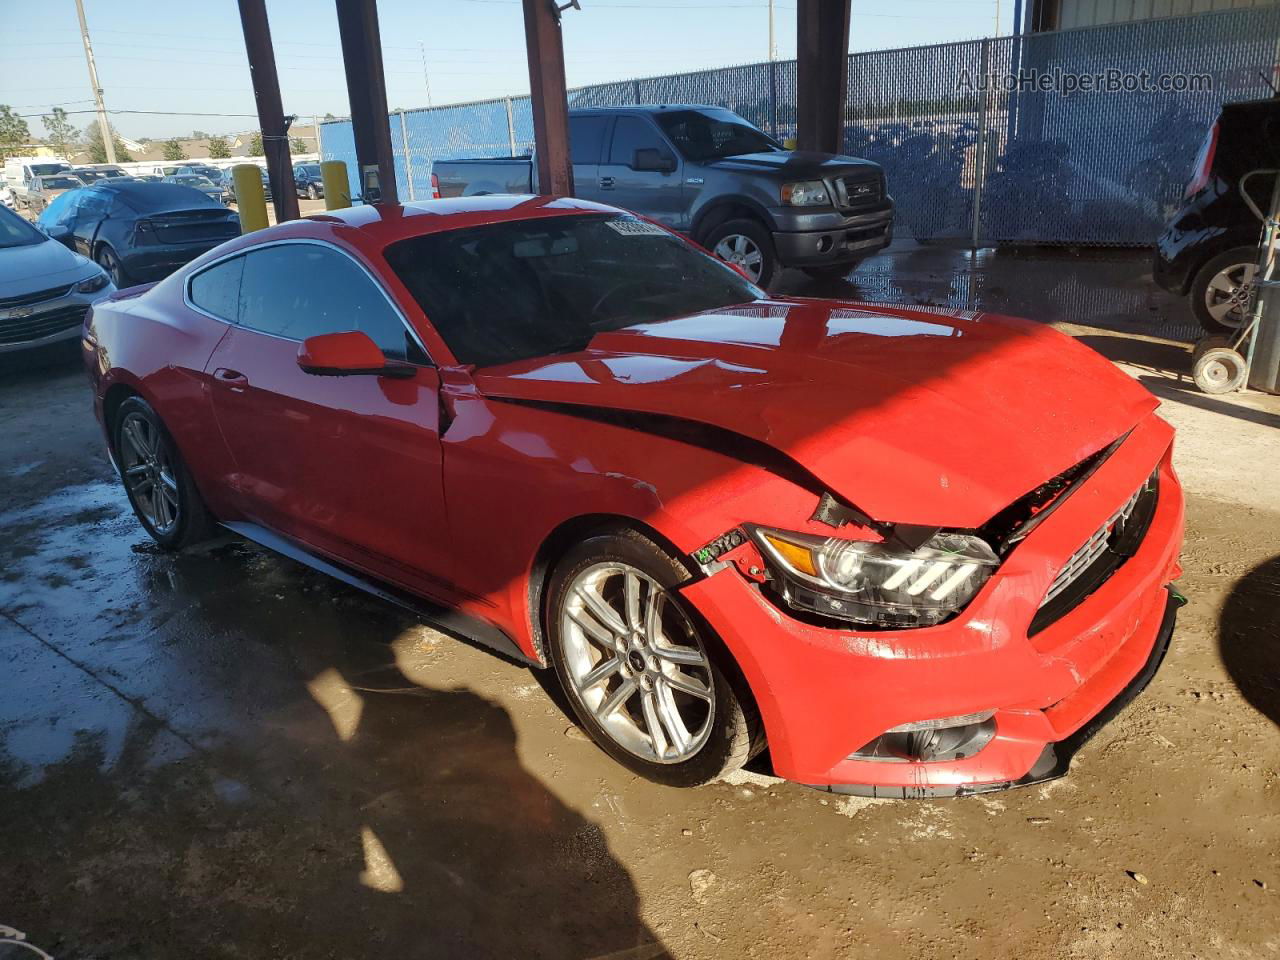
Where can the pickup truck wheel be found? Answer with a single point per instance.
(747, 244)
(1221, 290)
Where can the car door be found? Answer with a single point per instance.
(87, 215)
(654, 193)
(587, 135)
(349, 465)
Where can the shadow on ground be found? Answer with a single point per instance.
(1249, 637)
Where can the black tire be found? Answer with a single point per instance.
(735, 731)
(1230, 261)
(193, 522)
(835, 271)
(758, 235)
(106, 258)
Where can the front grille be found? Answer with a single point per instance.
(1100, 556)
(35, 296)
(42, 324)
(858, 191)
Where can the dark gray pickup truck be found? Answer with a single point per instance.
(707, 173)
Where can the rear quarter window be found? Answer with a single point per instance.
(217, 289)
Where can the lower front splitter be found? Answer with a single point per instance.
(1055, 760)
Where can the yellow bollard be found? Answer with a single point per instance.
(251, 199)
(337, 188)
(789, 143)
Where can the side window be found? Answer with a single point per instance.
(301, 290)
(586, 136)
(217, 290)
(92, 205)
(631, 134)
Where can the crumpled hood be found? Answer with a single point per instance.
(40, 266)
(910, 414)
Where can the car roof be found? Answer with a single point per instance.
(379, 225)
(643, 108)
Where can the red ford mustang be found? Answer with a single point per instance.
(915, 552)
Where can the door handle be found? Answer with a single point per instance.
(234, 379)
(606, 183)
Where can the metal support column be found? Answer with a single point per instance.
(367, 93)
(980, 152)
(550, 101)
(271, 120)
(822, 73)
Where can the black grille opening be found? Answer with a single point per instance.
(42, 325)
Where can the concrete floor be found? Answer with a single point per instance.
(222, 754)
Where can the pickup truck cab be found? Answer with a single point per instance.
(709, 174)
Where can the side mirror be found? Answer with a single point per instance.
(347, 355)
(60, 232)
(649, 158)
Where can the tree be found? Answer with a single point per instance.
(173, 150)
(255, 145)
(14, 132)
(62, 135)
(219, 149)
(298, 145)
(199, 135)
(330, 116)
(98, 150)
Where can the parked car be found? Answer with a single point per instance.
(139, 232)
(308, 181)
(103, 172)
(20, 171)
(915, 552)
(1209, 251)
(228, 184)
(709, 174)
(42, 190)
(197, 182)
(201, 170)
(45, 289)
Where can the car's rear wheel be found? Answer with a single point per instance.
(110, 262)
(312, 192)
(1221, 289)
(746, 244)
(156, 479)
(646, 677)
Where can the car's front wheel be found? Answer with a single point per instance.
(745, 244)
(646, 677)
(109, 261)
(156, 479)
(313, 193)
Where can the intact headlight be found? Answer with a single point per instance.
(92, 284)
(806, 193)
(874, 583)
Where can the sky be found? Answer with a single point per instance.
(188, 58)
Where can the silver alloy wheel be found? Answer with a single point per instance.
(742, 251)
(148, 472)
(636, 663)
(1226, 298)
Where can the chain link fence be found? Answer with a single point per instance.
(991, 162)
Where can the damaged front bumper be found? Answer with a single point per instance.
(826, 693)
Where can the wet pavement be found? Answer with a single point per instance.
(223, 754)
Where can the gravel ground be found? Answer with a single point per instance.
(222, 754)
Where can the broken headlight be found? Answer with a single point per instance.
(876, 583)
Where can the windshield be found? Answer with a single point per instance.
(44, 169)
(16, 232)
(531, 288)
(711, 134)
(89, 176)
(193, 181)
(311, 169)
(59, 183)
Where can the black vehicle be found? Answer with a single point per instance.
(138, 232)
(1210, 248)
(307, 181)
(94, 174)
(228, 185)
(200, 170)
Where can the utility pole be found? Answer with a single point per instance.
(773, 46)
(426, 80)
(108, 141)
(271, 119)
(997, 18)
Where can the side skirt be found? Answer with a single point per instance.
(453, 622)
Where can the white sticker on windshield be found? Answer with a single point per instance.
(636, 228)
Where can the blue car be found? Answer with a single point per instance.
(138, 232)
